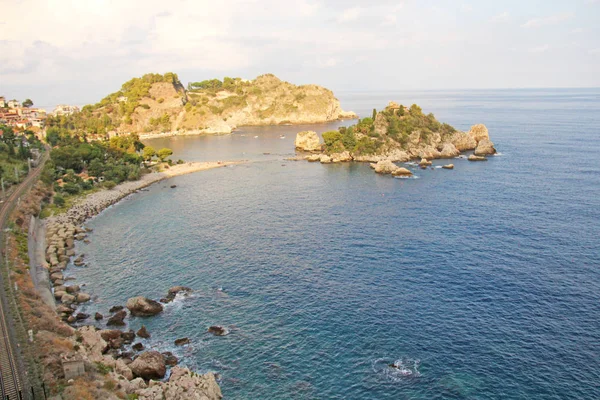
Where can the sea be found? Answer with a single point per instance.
(481, 282)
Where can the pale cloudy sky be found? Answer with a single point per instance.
(78, 51)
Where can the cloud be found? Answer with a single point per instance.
(551, 20)
(350, 14)
(389, 20)
(501, 17)
(540, 49)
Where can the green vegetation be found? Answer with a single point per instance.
(102, 368)
(15, 150)
(394, 124)
(27, 103)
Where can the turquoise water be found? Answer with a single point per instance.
(481, 283)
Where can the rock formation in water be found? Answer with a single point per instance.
(142, 307)
(308, 141)
(396, 134)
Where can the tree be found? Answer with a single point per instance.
(164, 153)
(374, 114)
(148, 153)
(27, 103)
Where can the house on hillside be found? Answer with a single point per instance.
(2, 102)
(14, 104)
(64, 109)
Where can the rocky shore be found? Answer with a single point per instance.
(112, 348)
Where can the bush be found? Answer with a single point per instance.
(160, 101)
(59, 200)
(108, 184)
(71, 188)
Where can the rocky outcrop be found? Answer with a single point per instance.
(401, 171)
(218, 330)
(388, 167)
(448, 166)
(117, 319)
(473, 157)
(341, 157)
(308, 141)
(149, 365)
(143, 332)
(182, 341)
(183, 385)
(143, 307)
(463, 141)
(449, 150)
(479, 132)
(485, 147)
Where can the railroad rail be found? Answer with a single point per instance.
(12, 376)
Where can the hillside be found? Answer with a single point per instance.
(155, 104)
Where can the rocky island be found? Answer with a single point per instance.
(396, 134)
(159, 105)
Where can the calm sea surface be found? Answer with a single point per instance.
(480, 283)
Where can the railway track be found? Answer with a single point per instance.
(11, 370)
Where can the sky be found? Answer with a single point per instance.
(77, 52)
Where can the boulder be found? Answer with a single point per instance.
(110, 334)
(72, 289)
(98, 316)
(424, 163)
(385, 167)
(143, 332)
(82, 316)
(485, 147)
(325, 159)
(449, 151)
(56, 276)
(128, 337)
(149, 365)
(401, 171)
(67, 298)
(115, 309)
(117, 319)
(59, 294)
(82, 297)
(218, 330)
(143, 307)
(479, 132)
(473, 157)
(170, 359)
(341, 157)
(138, 347)
(463, 141)
(448, 166)
(182, 341)
(308, 141)
(313, 158)
(174, 291)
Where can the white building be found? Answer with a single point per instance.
(63, 109)
(14, 104)
(2, 102)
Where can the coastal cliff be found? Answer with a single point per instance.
(395, 134)
(155, 105)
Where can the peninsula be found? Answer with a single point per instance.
(396, 134)
(159, 105)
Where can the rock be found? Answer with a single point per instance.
(116, 344)
(385, 167)
(473, 157)
(485, 147)
(182, 341)
(479, 132)
(341, 157)
(59, 294)
(71, 319)
(173, 186)
(98, 316)
(67, 298)
(449, 151)
(325, 159)
(72, 289)
(56, 276)
(61, 308)
(174, 291)
(143, 332)
(401, 171)
(143, 307)
(82, 316)
(308, 141)
(128, 337)
(448, 166)
(110, 334)
(463, 141)
(115, 309)
(218, 330)
(170, 359)
(70, 253)
(149, 365)
(313, 158)
(117, 319)
(424, 163)
(78, 262)
(138, 347)
(82, 297)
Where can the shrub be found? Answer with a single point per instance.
(108, 184)
(71, 188)
(160, 101)
(59, 200)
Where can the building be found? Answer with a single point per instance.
(2, 102)
(14, 104)
(73, 366)
(64, 109)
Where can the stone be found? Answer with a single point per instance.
(170, 359)
(463, 141)
(449, 151)
(82, 316)
(485, 147)
(401, 171)
(424, 163)
(82, 297)
(218, 330)
(117, 318)
(308, 141)
(182, 341)
(143, 307)
(479, 132)
(341, 157)
(110, 334)
(138, 347)
(448, 166)
(115, 309)
(143, 332)
(56, 276)
(174, 291)
(98, 316)
(72, 289)
(149, 365)
(59, 294)
(473, 157)
(313, 158)
(325, 159)
(67, 298)
(128, 336)
(384, 167)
